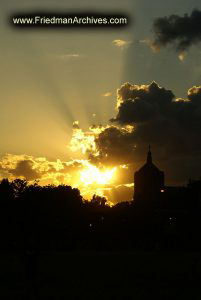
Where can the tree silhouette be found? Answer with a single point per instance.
(98, 200)
(19, 186)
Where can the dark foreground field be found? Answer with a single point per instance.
(116, 275)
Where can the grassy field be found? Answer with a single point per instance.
(116, 275)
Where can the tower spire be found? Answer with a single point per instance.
(149, 156)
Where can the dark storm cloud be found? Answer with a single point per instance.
(115, 146)
(156, 107)
(182, 31)
(139, 104)
(172, 126)
(25, 169)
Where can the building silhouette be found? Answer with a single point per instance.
(150, 191)
(148, 183)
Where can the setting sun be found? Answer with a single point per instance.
(93, 175)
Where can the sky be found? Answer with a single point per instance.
(67, 113)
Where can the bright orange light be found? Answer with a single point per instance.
(93, 175)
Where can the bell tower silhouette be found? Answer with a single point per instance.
(148, 183)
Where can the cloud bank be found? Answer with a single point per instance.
(182, 32)
(155, 116)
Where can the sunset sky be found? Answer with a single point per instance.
(68, 114)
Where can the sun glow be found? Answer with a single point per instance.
(90, 179)
(92, 175)
(82, 141)
(85, 141)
